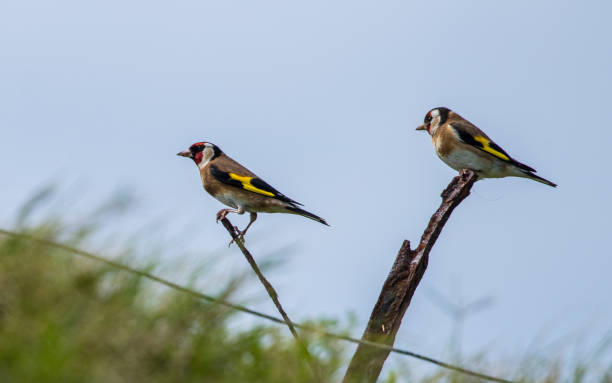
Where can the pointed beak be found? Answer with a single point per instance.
(421, 127)
(184, 153)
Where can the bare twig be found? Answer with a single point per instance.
(400, 285)
(268, 286)
(271, 292)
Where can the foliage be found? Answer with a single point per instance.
(64, 319)
(68, 319)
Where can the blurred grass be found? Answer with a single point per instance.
(63, 319)
(68, 319)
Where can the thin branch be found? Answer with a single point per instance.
(272, 293)
(241, 308)
(267, 285)
(402, 281)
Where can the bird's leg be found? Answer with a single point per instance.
(243, 232)
(221, 214)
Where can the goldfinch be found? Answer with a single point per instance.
(461, 145)
(236, 186)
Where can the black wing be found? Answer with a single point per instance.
(248, 183)
(482, 142)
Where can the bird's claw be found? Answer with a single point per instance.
(239, 236)
(221, 214)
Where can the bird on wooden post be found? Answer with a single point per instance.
(461, 145)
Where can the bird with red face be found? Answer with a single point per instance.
(239, 188)
(461, 145)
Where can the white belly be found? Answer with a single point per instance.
(486, 167)
(238, 203)
(227, 199)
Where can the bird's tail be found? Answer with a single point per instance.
(538, 178)
(304, 213)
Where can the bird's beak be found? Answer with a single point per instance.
(184, 153)
(421, 127)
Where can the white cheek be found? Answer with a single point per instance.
(206, 156)
(203, 163)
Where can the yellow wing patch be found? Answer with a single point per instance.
(487, 148)
(246, 184)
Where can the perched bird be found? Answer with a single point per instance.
(461, 145)
(237, 187)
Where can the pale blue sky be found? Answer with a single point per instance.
(321, 100)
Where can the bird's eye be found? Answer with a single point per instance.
(428, 118)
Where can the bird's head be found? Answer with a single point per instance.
(434, 119)
(201, 152)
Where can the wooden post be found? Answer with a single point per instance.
(398, 289)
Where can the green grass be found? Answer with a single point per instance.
(64, 319)
(68, 319)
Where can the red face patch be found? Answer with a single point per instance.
(198, 157)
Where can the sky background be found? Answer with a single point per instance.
(321, 100)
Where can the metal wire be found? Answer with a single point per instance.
(245, 309)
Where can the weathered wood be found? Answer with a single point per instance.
(402, 281)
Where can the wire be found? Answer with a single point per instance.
(244, 309)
